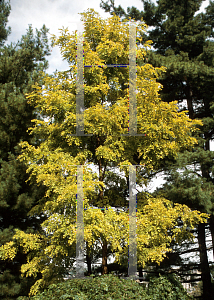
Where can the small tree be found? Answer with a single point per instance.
(54, 161)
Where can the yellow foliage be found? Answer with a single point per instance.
(54, 162)
(8, 251)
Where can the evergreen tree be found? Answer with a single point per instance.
(183, 43)
(4, 13)
(20, 64)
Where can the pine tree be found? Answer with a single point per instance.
(4, 13)
(19, 64)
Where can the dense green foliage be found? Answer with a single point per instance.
(20, 64)
(110, 287)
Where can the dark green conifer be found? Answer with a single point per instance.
(20, 64)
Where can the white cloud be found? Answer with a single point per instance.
(54, 14)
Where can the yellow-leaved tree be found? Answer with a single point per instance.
(54, 162)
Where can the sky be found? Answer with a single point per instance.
(55, 14)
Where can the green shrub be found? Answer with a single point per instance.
(107, 287)
(166, 288)
(110, 287)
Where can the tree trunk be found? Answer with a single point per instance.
(189, 101)
(212, 231)
(140, 273)
(205, 269)
(208, 292)
(88, 260)
(104, 258)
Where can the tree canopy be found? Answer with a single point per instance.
(54, 161)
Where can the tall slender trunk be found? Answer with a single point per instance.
(104, 258)
(189, 101)
(141, 273)
(208, 292)
(212, 231)
(88, 260)
(205, 269)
